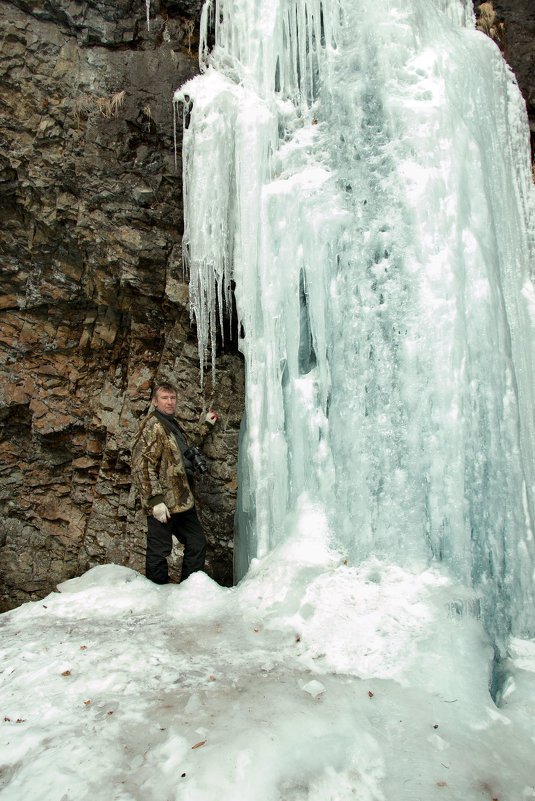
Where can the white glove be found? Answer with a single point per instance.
(161, 513)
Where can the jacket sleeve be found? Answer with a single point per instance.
(200, 433)
(146, 455)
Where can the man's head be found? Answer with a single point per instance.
(164, 398)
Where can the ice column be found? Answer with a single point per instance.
(360, 171)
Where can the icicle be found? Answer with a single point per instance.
(175, 112)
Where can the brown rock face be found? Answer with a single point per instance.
(515, 20)
(93, 301)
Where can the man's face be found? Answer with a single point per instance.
(165, 401)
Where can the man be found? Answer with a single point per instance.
(162, 472)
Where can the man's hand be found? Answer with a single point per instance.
(211, 417)
(161, 513)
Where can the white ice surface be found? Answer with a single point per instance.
(358, 173)
(311, 680)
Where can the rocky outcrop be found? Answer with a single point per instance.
(514, 23)
(93, 302)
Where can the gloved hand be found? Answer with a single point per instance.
(161, 513)
(211, 417)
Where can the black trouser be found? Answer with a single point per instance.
(187, 529)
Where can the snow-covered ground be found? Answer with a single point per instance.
(310, 680)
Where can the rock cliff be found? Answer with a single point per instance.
(93, 301)
(512, 24)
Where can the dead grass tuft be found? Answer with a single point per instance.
(147, 113)
(488, 23)
(109, 106)
(189, 27)
(83, 106)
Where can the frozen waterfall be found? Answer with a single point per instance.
(358, 174)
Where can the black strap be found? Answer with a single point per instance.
(171, 424)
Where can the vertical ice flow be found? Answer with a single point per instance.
(360, 171)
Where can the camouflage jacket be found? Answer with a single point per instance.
(158, 470)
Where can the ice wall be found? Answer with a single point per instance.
(360, 171)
